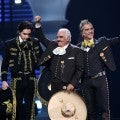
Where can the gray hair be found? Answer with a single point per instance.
(82, 23)
(67, 33)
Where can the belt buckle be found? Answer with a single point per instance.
(26, 73)
(99, 74)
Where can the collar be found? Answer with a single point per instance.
(60, 50)
(20, 39)
(91, 40)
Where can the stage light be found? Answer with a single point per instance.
(17, 1)
(39, 104)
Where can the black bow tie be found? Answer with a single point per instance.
(24, 44)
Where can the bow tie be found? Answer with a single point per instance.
(59, 51)
(88, 43)
(25, 44)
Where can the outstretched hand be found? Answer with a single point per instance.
(37, 19)
(4, 85)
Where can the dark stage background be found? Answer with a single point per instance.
(104, 14)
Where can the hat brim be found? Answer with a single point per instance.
(6, 101)
(56, 102)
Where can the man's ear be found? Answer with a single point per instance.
(82, 34)
(18, 32)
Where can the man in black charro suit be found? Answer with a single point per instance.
(98, 57)
(66, 60)
(20, 59)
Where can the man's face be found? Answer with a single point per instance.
(88, 31)
(62, 39)
(25, 34)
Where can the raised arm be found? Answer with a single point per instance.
(114, 41)
(39, 32)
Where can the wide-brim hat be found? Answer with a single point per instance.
(6, 101)
(44, 93)
(67, 106)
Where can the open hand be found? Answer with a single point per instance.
(37, 19)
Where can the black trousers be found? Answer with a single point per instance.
(5, 117)
(96, 95)
(25, 90)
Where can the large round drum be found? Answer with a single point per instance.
(44, 90)
(67, 106)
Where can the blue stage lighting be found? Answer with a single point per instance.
(39, 104)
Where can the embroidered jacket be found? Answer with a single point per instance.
(19, 57)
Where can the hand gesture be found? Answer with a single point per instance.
(4, 85)
(37, 19)
(70, 88)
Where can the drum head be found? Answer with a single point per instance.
(44, 88)
(67, 106)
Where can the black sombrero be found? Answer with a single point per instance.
(44, 92)
(7, 101)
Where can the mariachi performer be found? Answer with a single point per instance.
(64, 59)
(20, 58)
(98, 57)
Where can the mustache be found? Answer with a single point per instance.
(59, 41)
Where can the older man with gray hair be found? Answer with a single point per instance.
(66, 60)
(98, 57)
